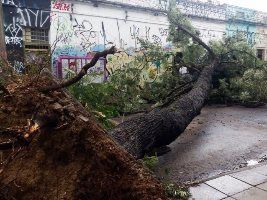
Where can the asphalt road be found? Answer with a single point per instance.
(221, 139)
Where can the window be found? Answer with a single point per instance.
(36, 39)
(37, 51)
(260, 54)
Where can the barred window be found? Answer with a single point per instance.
(36, 39)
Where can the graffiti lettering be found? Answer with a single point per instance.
(13, 40)
(10, 2)
(156, 40)
(84, 30)
(163, 31)
(33, 18)
(148, 33)
(18, 66)
(13, 29)
(13, 34)
(135, 32)
(61, 6)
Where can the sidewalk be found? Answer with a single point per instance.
(249, 184)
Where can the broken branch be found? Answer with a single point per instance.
(82, 73)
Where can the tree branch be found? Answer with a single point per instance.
(82, 73)
(197, 39)
(242, 51)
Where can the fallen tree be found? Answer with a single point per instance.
(61, 152)
(162, 126)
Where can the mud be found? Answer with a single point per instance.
(219, 140)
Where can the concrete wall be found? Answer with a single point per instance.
(84, 28)
(80, 27)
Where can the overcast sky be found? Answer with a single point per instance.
(260, 5)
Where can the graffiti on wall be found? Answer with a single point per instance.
(89, 34)
(60, 5)
(84, 30)
(235, 26)
(77, 35)
(13, 33)
(17, 15)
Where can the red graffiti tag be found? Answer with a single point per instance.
(59, 5)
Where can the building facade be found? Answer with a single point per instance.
(79, 27)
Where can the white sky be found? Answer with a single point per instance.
(260, 5)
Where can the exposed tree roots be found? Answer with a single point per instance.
(70, 159)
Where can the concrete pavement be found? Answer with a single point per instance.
(248, 184)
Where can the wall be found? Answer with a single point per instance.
(75, 31)
(237, 24)
(209, 30)
(19, 14)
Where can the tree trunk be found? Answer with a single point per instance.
(161, 127)
(70, 157)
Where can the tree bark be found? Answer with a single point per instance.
(161, 127)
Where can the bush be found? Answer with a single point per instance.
(242, 77)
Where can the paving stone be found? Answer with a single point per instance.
(261, 170)
(204, 192)
(251, 194)
(250, 177)
(263, 186)
(228, 185)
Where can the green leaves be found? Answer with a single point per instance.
(174, 191)
(243, 77)
(150, 162)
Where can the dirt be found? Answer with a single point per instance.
(219, 140)
(71, 157)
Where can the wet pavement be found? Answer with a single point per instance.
(219, 140)
(249, 184)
